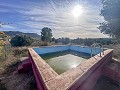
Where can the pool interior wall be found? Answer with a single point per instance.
(65, 52)
(51, 49)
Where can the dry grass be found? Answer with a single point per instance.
(6, 63)
(1, 50)
(40, 43)
(8, 81)
(20, 51)
(18, 81)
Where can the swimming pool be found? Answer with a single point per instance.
(82, 76)
(63, 58)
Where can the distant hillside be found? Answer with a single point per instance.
(13, 33)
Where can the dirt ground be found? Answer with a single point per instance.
(105, 83)
(18, 81)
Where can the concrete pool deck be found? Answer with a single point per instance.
(83, 77)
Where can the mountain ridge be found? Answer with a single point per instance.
(13, 33)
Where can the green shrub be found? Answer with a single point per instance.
(21, 40)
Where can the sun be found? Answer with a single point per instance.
(77, 11)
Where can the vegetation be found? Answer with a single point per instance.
(46, 34)
(20, 51)
(86, 41)
(11, 81)
(62, 40)
(111, 25)
(3, 43)
(111, 14)
(21, 40)
(1, 47)
(116, 52)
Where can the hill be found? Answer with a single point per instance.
(13, 33)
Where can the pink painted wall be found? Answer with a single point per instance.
(38, 78)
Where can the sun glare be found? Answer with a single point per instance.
(77, 11)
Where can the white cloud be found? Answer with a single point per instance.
(8, 26)
(58, 16)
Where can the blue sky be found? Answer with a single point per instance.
(33, 15)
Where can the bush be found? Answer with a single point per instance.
(45, 44)
(21, 40)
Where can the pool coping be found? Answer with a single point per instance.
(52, 81)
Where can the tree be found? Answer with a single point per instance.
(66, 40)
(53, 39)
(21, 40)
(111, 14)
(46, 34)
